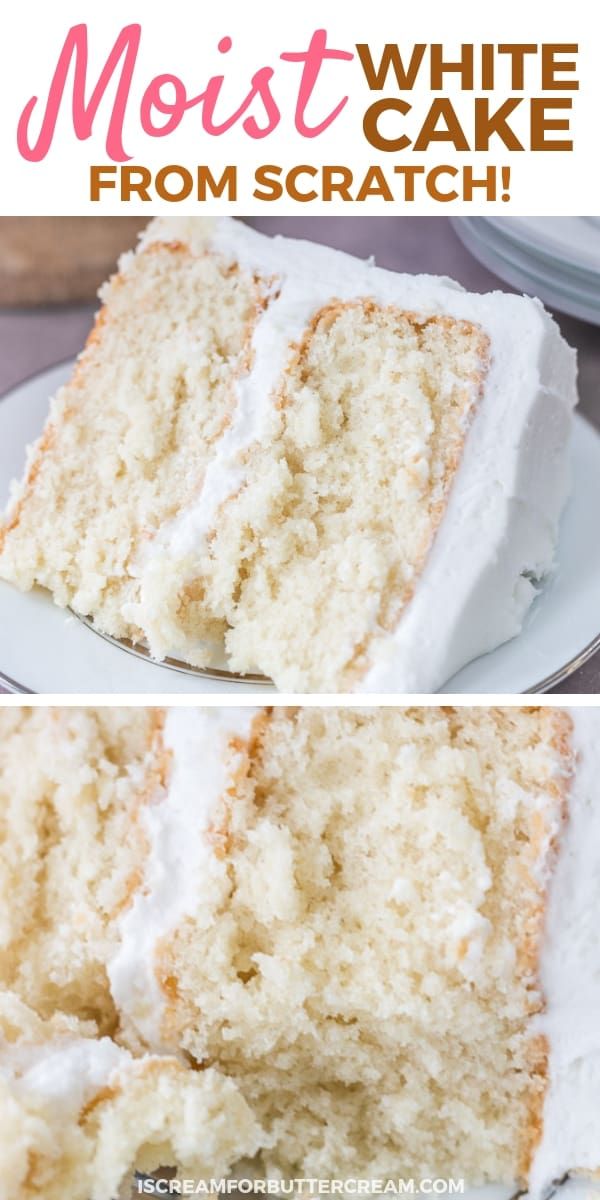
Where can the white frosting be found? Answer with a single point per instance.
(65, 1073)
(180, 857)
(500, 527)
(570, 977)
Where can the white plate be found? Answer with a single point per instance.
(45, 649)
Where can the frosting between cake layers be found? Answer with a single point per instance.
(180, 857)
(499, 530)
(570, 977)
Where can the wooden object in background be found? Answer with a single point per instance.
(60, 260)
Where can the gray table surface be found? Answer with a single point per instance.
(33, 340)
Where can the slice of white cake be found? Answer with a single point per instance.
(374, 931)
(350, 478)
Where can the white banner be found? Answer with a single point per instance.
(278, 108)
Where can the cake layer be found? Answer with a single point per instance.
(375, 925)
(302, 455)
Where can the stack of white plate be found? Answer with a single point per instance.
(555, 258)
